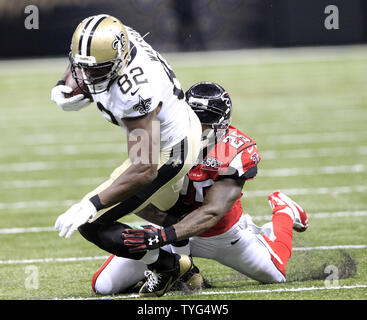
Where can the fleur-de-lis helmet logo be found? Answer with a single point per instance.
(120, 39)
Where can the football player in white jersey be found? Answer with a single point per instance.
(135, 89)
(213, 219)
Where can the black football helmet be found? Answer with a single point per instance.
(212, 105)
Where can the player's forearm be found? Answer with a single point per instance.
(128, 184)
(198, 221)
(67, 72)
(217, 202)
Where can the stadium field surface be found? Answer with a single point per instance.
(307, 110)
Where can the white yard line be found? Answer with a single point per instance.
(212, 292)
(118, 148)
(48, 260)
(77, 259)
(35, 204)
(42, 139)
(47, 183)
(208, 58)
(78, 138)
(318, 215)
(317, 137)
(329, 170)
(256, 193)
(357, 246)
(57, 165)
(44, 229)
(26, 230)
(103, 163)
(314, 153)
(358, 286)
(310, 191)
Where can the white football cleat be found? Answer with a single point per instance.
(279, 201)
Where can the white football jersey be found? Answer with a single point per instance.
(147, 81)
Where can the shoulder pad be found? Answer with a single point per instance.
(238, 154)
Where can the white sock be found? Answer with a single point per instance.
(150, 257)
(181, 250)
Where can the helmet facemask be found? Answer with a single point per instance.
(210, 115)
(96, 76)
(217, 125)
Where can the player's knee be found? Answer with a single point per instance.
(112, 281)
(279, 278)
(110, 235)
(89, 231)
(103, 284)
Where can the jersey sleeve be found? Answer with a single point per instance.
(135, 93)
(243, 165)
(139, 101)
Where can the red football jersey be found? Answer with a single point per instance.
(236, 156)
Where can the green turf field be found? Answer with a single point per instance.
(306, 109)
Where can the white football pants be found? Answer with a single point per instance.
(239, 248)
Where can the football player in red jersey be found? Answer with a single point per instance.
(210, 202)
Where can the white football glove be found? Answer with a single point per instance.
(74, 103)
(77, 215)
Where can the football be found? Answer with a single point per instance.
(80, 88)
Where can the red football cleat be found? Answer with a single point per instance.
(279, 201)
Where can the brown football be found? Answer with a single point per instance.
(77, 89)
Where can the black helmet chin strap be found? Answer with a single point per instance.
(215, 140)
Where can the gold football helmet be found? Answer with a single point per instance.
(100, 48)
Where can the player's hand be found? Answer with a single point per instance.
(74, 103)
(77, 215)
(148, 238)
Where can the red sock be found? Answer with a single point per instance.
(282, 246)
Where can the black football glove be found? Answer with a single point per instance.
(148, 238)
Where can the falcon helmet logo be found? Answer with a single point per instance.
(226, 99)
(255, 158)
